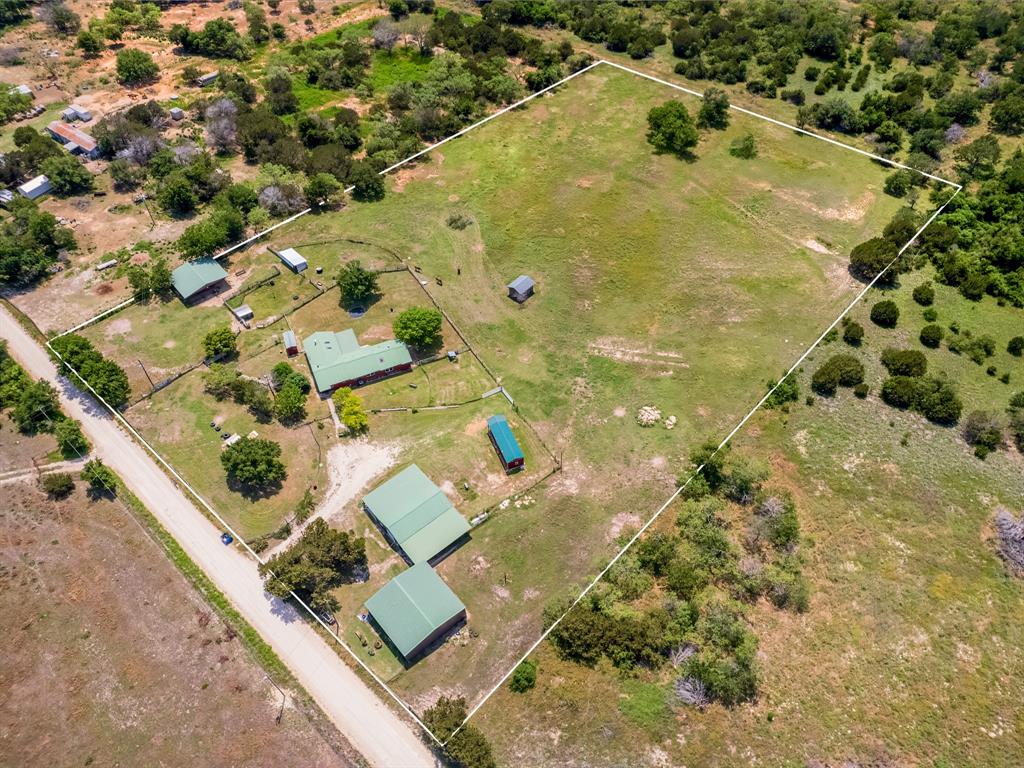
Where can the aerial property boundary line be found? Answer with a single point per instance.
(664, 506)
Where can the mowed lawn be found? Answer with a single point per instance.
(682, 285)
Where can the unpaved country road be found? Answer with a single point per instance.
(380, 736)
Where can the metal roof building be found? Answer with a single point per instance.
(521, 288)
(36, 187)
(414, 609)
(415, 515)
(505, 443)
(74, 139)
(293, 259)
(291, 344)
(336, 360)
(194, 277)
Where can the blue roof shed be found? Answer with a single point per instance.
(505, 443)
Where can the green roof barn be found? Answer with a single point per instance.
(414, 609)
(336, 360)
(194, 277)
(415, 515)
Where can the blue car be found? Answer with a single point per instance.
(226, 538)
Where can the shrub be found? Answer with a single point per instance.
(220, 342)
(983, 431)
(837, 371)
(853, 334)
(930, 315)
(1016, 346)
(1017, 401)
(924, 294)
(70, 440)
(785, 392)
(885, 314)
(671, 129)
(869, 258)
(904, 362)
(976, 348)
(524, 678)
(59, 485)
(931, 335)
(861, 390)
(744, 147)
(900, 391)
(101, 479)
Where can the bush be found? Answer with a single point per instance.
(70, 440)
(853, 333)
(933, 398)
(924, 294)
(671, 129)
(983, 431)
(1016, 346)
(900, 391)
(837, 371)
(419, 327)
(904, 362)
(930, 315)
(885, 314)
(524, 678)
(743, 147)
(101, 479)
(220, 342)
(868, 259)
(931, 335)
(785, 392)
(135, 67)
(861, 390)
(976, 348)
(1017, 401)
(59, 485)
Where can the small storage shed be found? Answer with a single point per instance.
(292, 259)
(291, 344)
(176, 113)
(194, 277)
(505, 444)
(243, 312)
(204, 80)
(521, 288)
(34, 188)
(415, 609)
(415, 515)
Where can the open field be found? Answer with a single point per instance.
(684, 285)
(111, 659)
(910, 651)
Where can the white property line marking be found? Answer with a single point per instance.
(782, 124)
(677, 492)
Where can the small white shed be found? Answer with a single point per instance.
(293, 259)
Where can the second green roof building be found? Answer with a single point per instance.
(336, 360)
(194, 277)
(415, 515)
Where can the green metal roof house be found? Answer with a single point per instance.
(414, 609)
(415, 515)
(336, 360)
(505, 443)
(194, 277)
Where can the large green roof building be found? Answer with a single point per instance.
(336, 360)
(414, 609)
(415, 515)
(194, 277)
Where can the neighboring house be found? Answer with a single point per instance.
(293, 259)
(415, 609)
(76, 112)
(291, 344)
(193, 278)
(521, 288)
(34, 188)
(336, 360)
(505, 444)
(76, 141)
(208, 79)
(416, 516)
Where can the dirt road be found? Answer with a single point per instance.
(379, 735)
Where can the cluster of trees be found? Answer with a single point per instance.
(322, 559)
(34, 407)
(31, 150)
(671, 129)
(151, 279)
(700, 632)
(932, 397)
(31, 241)
(121, 16)
(218, 39)
(468, 748)
(291, 390)
(224, 381)
(106, 378)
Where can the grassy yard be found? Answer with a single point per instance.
(177, 422)
(911, 650)
(401, 65)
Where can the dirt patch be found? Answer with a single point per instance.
(626, 351)
(621, 522)
(475, 427)
(110, 656)
(120, 326)
(814, 245)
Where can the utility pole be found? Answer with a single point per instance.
(151, 384)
